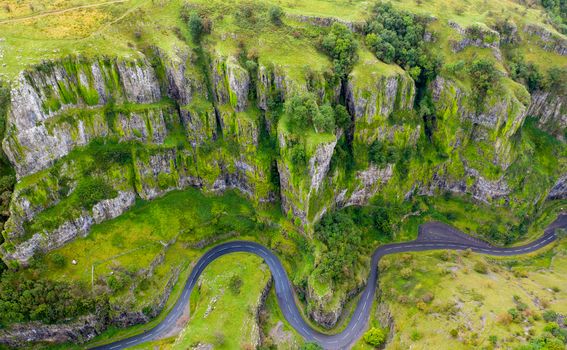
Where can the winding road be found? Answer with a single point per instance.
(431, 236)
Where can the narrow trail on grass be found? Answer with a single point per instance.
(58, 12)
(431, 236)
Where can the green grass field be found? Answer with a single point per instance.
(224, 315)
(430, 294)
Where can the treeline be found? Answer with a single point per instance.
(24, 299)
(557, 11)
(344, 233)
(396, 36)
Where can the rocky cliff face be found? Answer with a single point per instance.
(156, 124)
(559, 190)
(43, 124)
(546, 39)
(497, 122)
(551, 110)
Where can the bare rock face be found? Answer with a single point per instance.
(369, 98)
(69, 230)
(500, 119)
(231, 82)
(477, 36)
(43, 124)
(79, 331)
(551, 110)
(370, 181)
(319, 164)
(296, 193)
(559, 190)
(546, 39)
(238, 84)
(111, 208)
(357, 27)
(139, 81)
(472, 182)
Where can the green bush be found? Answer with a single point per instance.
(340, 44)
(311, 346)
(342, 117)
(114, 283)
(58, 260)
(301, 108)
(481, 267)
(324, 121)
(485, 78)
(235, 284)
(342, 238)
(549, 316)
(195, 24)
(382, 154)
(276, 13)
(375, 337)
(90, 191)
(525, 73)
(397, 37)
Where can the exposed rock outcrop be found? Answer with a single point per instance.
(477, 36)
(79, 331)
(551, 109)
(69, 230)
(546, 39)
(372, 97)
(54, 108)
(471, 183)
(370, 181)
(559, 190)
(499, 120)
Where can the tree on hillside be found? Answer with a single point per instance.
(340, 44)
(196, 27)
(484, 77)
(397, 37)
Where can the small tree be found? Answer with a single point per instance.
(550, 316)
(276, 14)
(311, 346)
(301, 108)
(235, 284)
(58, 260)
(324, 121)
(375, 336)
(484, 77)
(341, 46)
(195, 26)
(342, 118)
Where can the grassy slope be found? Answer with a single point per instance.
(469, 301)
(222, 317)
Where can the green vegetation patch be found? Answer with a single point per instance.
(228, 298)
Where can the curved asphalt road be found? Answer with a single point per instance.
(432, 236)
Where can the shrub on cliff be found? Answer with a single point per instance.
(91, 191)
(304, 112)
(340, 44)
(276, 13)
(195, 26)
(397, 37)
(484, 78)
(375, 337)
